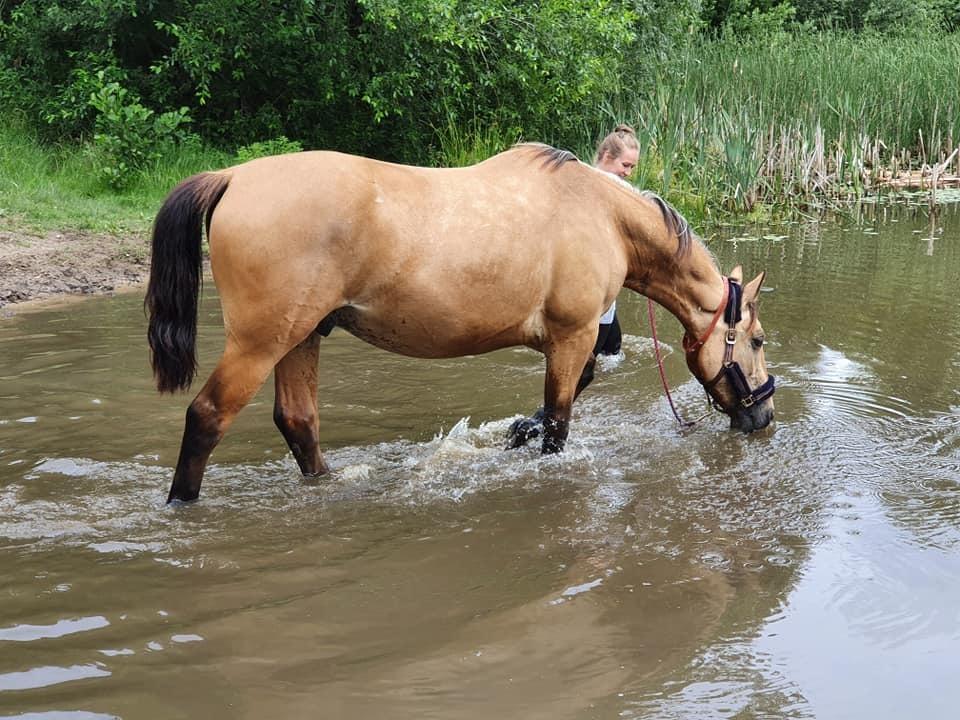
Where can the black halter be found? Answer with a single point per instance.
(731, 370)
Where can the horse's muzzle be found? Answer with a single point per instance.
(755, 417)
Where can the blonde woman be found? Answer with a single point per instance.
(616, 154)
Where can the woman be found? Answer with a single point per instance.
(616, 154)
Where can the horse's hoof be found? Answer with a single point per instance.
(182, 495)
(523, 430)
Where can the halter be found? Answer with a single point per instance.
(730, 309)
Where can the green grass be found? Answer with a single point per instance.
(461, 146)
(756, 128)
(50, 188)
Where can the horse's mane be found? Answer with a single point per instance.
(674, 221)
(552, 157)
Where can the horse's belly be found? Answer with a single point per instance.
(424, 336)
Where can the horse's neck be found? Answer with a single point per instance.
(690, 287)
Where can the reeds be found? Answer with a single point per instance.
(801, 119)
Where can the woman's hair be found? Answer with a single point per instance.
(623, 136)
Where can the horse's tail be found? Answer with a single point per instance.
(175, 277)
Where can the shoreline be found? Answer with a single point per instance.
(37, 268)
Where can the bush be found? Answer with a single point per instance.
(277, 146)
(128, 135)
(370, 76)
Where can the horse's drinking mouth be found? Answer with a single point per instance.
(755, 417)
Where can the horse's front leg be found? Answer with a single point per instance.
(523, 430)
(295, 405)
(567, 361)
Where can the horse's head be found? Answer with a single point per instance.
(728, 358)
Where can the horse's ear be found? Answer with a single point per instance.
(737, 274)
(752, 288)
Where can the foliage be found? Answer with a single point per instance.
(761, 17)
(58, 186)
(129, 136)
(470, 143)
(275, 146)
(736, 101)
(755, 122)
(373, 76)
(750, 18)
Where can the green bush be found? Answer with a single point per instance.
(370, 76)
(277, 146)
(129, 136)
(753, 17)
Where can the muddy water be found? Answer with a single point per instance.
(811, 570)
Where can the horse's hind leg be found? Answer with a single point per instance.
(235, 380)
(295, 405)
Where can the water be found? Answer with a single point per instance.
(808, 571)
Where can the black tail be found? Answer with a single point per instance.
(175, 276)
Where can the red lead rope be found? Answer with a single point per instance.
(663, 376)
(695, 346)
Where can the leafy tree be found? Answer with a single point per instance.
(377, 76)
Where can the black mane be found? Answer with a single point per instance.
(552, 157)
(674, 221)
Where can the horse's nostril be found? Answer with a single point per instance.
(764, 417)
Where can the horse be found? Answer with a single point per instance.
(528, 247)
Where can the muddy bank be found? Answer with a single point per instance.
(37, 266)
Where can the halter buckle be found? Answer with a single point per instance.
(748, 401)
(732, 336)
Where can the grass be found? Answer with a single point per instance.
(48, 188)
(785, 123)
(461, 146)
(798, 120)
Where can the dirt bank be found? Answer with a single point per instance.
(37, 266)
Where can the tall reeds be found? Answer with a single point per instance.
(800, 119)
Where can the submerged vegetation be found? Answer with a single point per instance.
(741, 106)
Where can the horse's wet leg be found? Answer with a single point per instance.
(586, 377)
(201, 433)
(523, 430)
(567, 364)
(295, 405)
(555, 431)
(235, 380)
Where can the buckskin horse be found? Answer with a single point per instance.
(526, 248)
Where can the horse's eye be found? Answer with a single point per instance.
(757, 342)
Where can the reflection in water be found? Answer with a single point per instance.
(42, 677)
(27, 633)
(809, 570)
